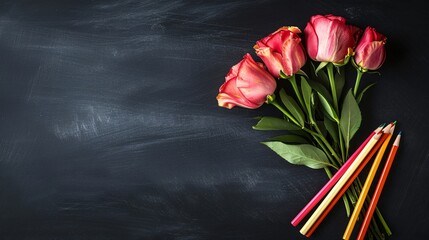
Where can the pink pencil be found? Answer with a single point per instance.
(316, 199)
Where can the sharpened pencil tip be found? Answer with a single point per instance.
(382, 125)
(392, 129)
(394, 123)
(398, 138)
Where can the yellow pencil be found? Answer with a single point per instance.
(366, 186)
(334, 191)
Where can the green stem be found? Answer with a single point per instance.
(352, 201)
(358, 78)
(330, 69)
(383, 222)
(328, 172)
(346, 205)
(341, 140)
(296, 89)
(286, 113)
(352, 195)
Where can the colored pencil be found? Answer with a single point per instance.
(334, 191)
(349, 182)
(359, 204)
(379, 188)
(316, 199)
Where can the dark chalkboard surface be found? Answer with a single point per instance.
(109, 126)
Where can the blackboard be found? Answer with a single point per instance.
(109, 126)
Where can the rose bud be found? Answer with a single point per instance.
(282, 50)
(370, 52)
(246, 85)
(329, 39)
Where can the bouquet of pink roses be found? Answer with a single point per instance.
(319, 117)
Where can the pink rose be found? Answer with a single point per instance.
(328, 38)
(282, 50)
(370, 52)
(246, 85)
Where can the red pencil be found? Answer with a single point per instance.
(379, 188)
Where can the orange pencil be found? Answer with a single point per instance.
(349, 182)
(379, 188)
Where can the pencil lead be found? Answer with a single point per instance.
(400, 133)
(382, 125)
(394, 123)
(392, 129)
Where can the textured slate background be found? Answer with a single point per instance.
(109, 127)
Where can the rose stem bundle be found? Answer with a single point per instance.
(341, 182)
(316, 199)
(348, 184)
(379, 188)
(366, 186)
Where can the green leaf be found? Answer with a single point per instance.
(360, 95)
(292, 106)
(350, 118)
(306, 95)
(328, 109)
(332, 129)
(300, 72)
(272, 123)
(346, 205)
(313, 100)
(340, 80)
(319, 78)
(321, 90)
(289, 139)
(323, 78)
(321, 65)
(303, 154)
